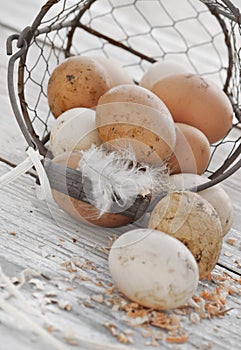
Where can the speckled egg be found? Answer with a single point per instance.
(192, 219)
(215, 195)
(78, 81)
(153, 269)
(132, 116)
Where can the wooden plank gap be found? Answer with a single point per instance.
(228, 268)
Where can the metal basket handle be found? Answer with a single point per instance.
(23, 46)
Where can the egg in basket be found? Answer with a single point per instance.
(119, 97)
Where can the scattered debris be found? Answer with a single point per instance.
(39, 285)
(64, 305)
(84, 278)
(76, 262)
(195, 318)
(231, 240)
(98, 298)
(45, 277)
(71, 341)
(157, 327)
(98, 283)
(209, 302)
(49, 328)
(12, 233)
(119, 335)
(111, 240)
(228, 254)
(50, 294)
(237, 263)
(177, 338)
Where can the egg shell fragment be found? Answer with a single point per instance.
(131, 115)
(215, 195)
(75, 129)
(153, 269)
(197, 101)
(192, 219)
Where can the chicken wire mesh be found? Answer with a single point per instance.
(204, 35)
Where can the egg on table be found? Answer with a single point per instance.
(215, 195)
(192, 219)
(197, 101)
(132, 116)
(192, 151)
(153, 269)
(74, 129)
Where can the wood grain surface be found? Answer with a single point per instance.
(55, 287)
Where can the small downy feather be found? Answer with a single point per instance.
(118, 177)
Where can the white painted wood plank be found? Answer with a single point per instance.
(45, 238)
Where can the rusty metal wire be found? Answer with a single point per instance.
(205, 36)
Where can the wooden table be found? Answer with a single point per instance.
(55, 287)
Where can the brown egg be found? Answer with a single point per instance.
(80, 210)
(132, 116)
(160, 70)
(196, 101)
(77, 82)
(192, 151)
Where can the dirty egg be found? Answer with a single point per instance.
(78, 81)
(192, 219)
(215, 195)
(153, 269)
(129, 116)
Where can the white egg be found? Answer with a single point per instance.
(153, 269)
(160, 70)
(75, 129)
(215, 195)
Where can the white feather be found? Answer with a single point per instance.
(117, 177)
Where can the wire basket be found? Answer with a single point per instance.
(205, 36)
